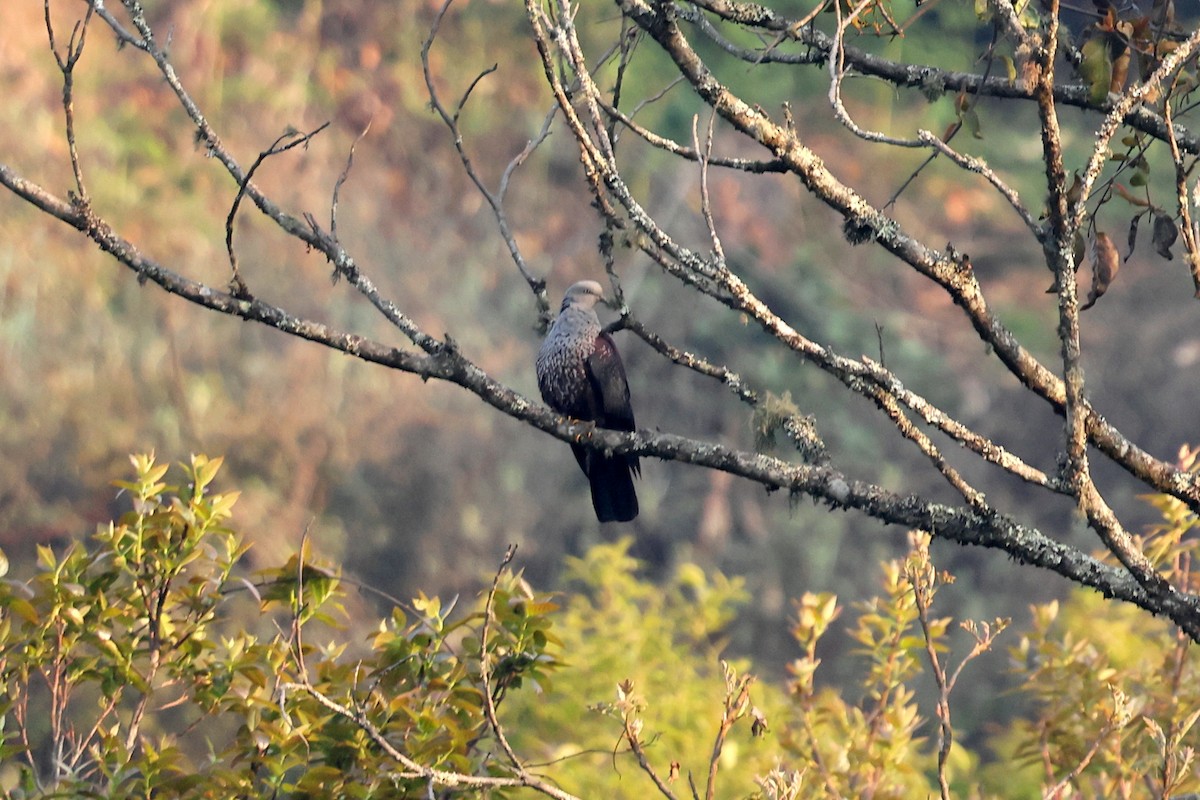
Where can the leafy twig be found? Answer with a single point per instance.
(416, 770)
(737, 702)
(631, 729)
(485, 664)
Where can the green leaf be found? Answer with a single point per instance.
(23, 609)
(46, 557)
(223, 503)
(537, 609)
(1096, 68)
(970, 119)
(205, 469)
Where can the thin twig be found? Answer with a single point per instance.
(737, 700)
(342, 178)
(980, 167)
(793, 31)
(922, 578)
(635, 744)
(1055, 791)
(292, 139)
(670, 146)
(485, 664)
(699, 364)
(837, 71)
(654, 98)
(494, 200)
(416, 770)
(66, 65)
(303, 228)
(1191, 248)
(705, 199)
(627, 41)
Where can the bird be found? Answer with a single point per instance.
(580, 375)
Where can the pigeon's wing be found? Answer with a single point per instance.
(606, 375)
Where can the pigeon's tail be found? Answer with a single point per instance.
(611, 479)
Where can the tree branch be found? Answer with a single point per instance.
(444, 362)
(864, 222)
(819, 45)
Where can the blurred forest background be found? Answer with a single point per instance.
(418, 486)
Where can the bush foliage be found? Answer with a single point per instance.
(128, 669)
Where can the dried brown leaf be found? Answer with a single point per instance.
(1131, 240)
(1129, 197)
(1120, 71)
(1105, 263)
(1165, 234)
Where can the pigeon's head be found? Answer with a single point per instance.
(584, 294)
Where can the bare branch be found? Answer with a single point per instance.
(286, 141)
(731, 379)
(304, 229)
(837, 70)
(980, 167)
(444, 362)
(819, 46)
(1191, 246)
(670, 146)
(66, 65)
(705, 200)
(1064, 221)
(494, 200)
(865, 223)
(342, 178)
